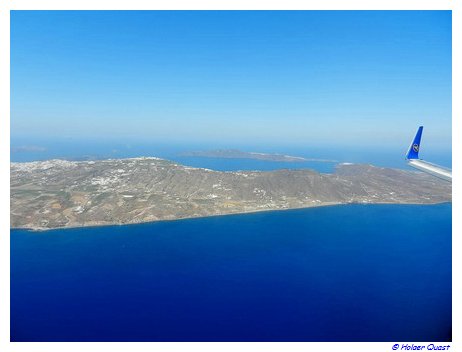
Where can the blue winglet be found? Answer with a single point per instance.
(413, 152)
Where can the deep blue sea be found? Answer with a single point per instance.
(340, 273)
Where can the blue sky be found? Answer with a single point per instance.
(228, 77)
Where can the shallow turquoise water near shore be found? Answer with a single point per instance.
(340, 273)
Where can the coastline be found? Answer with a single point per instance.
(333, 204)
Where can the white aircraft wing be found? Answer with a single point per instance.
(413, 160)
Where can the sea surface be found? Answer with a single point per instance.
(339, 273)
(23, 150)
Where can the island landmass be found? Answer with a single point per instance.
(60, 193)
(238, 154)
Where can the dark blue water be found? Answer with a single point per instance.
(342, 273)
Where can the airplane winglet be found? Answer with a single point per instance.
(413, 151)
(412, 157)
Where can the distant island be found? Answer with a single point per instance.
(238, 154)
(60, 193)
